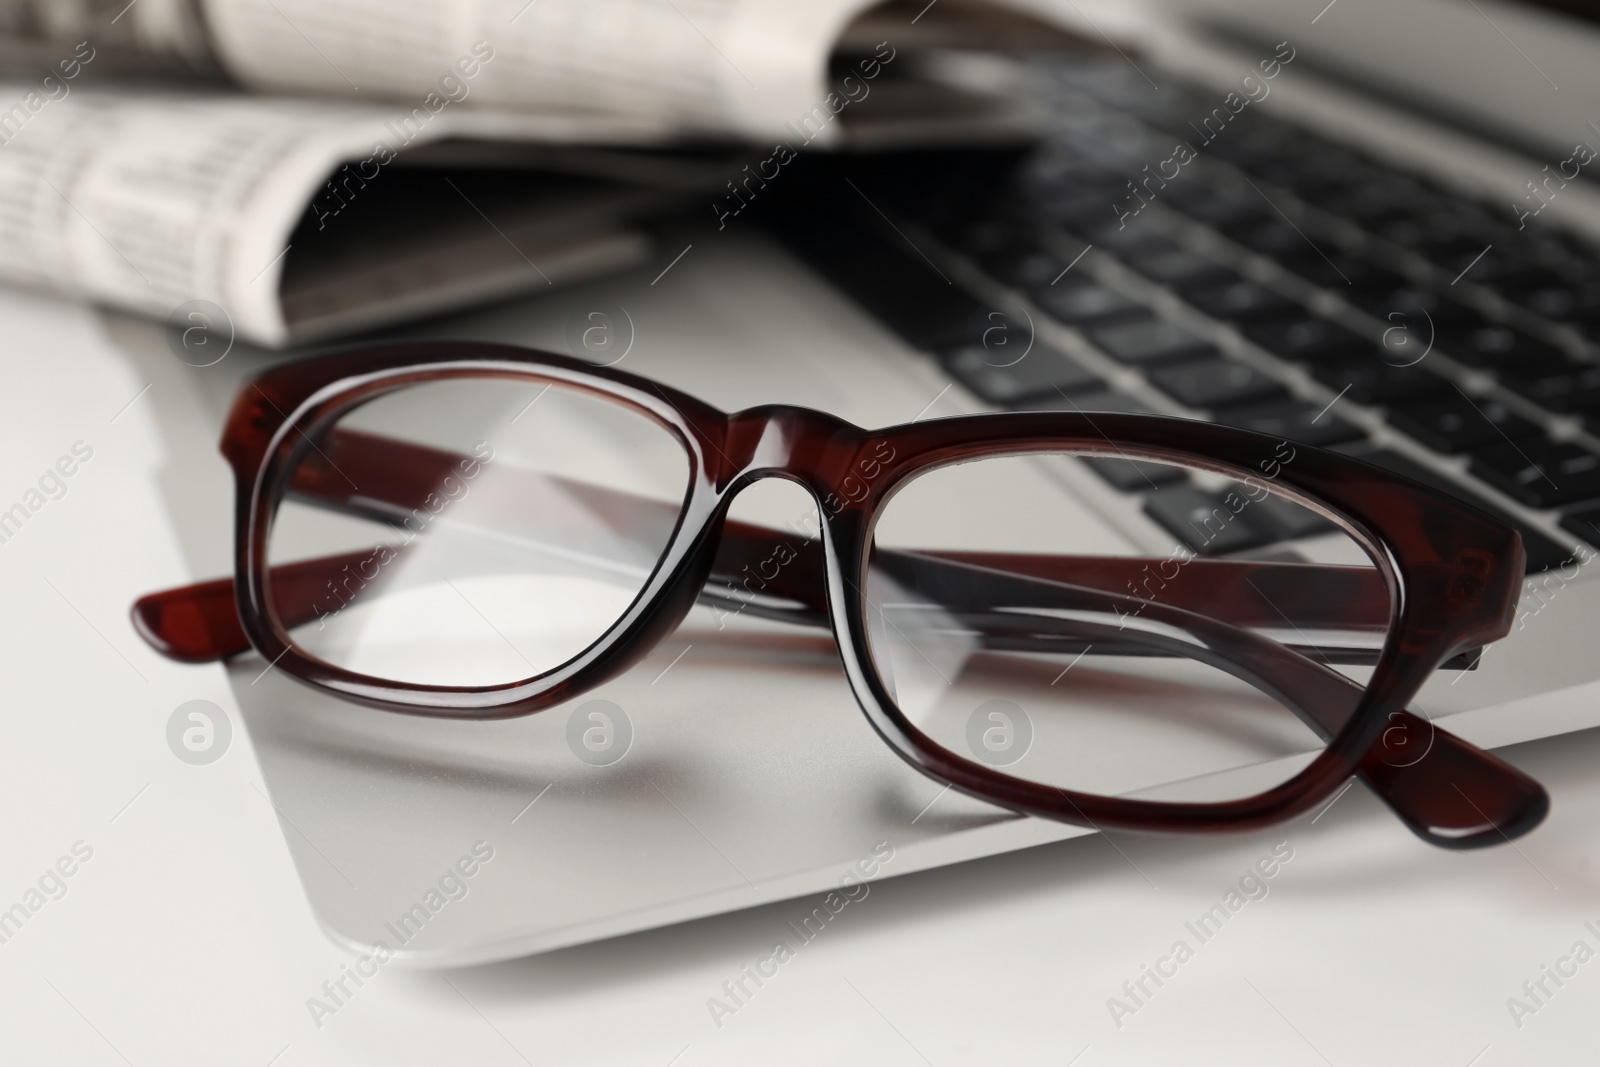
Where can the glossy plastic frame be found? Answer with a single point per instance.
(1452, 573)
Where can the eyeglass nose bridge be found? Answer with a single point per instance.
(817, 450)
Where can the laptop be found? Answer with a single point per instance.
(1353, 193)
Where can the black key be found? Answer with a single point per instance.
(1010, 250)
(1110, 400)
(1564, 303)
(1084, 301)
(1538, 472)
(1171, 108)
(1385, 198)
(1136, 239)
(1205, 523)
(1501, 346)
(1543, 553)
(996, 242)
(1242, 301)
(1023, 267)
(1453, 423)
(1443, 237)
(1320, 172)
(1576, 246)
(1325, 190)
(1183, 270)
(1585, 523)
(1308, 340)
(1220, 212)
(1036, 268)
(1419, 308)
(1515, 279)
(1152, 341)
(1209, 384)
(1274, 238)
(1369, 380)
(1353, 279)
(1132, 476)
(1236, 149)
(1565, 385)
(1079, 210)
(996, 379)
(1287, 520)
(1316, 269)
(1290, 420)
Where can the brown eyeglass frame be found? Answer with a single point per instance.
(1452, 575)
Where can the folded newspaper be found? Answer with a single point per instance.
(317, 167)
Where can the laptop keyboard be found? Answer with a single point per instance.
(1281, 282)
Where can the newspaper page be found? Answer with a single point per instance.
(147, 200)
(171, 29)
(737, 68)
(730, 67)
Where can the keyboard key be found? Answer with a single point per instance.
(1316, 268)
(1044, 369)
(1452, 424)
(1082, 301)
(1448, 238)
(1539, 472)
(1307, 341)
(1010, 249)
(1204, 522)
(1079, 210)
(1287, 520)
(1513, 279)
(1152, 341)
(1172, 108)
(1273, 238)
(1022, 266)
(1543, 552)
(1584, 523)
(1367, 379)
(1110, 400)
(1291, 420)
(1354, 279)
(1501, 346)
(1386, 198)
(1320, 172)
(1418, 308)
(1563, 303)
(996, 242)
(1564, 385)
(1132, 476)
(1319, 191)
(1242, 301)
(1209, 384)
(1140, 237)
(1183, 270)
(1220, 211)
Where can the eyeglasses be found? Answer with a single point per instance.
(479, 531)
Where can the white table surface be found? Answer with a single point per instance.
(186, 939)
